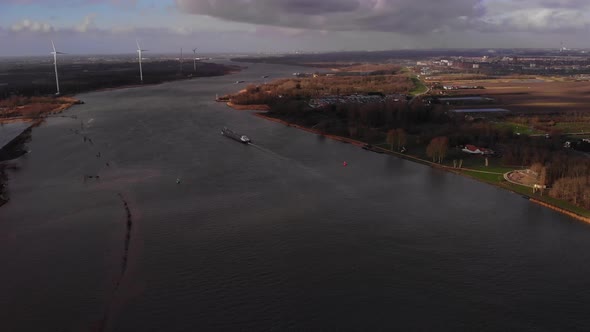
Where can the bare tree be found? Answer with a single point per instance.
(536, 167)
(401, 138)
(391, 137)
(437, 149)
(431, 150)
(543, 179)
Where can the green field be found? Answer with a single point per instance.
(565, 127)
(485, 177)
(419, 87)
(499, 181)
(519, 128)
(495, 166)
(573, 127)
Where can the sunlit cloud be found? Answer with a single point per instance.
(315, 25)
(27, 25)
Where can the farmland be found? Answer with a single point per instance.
(532, 95)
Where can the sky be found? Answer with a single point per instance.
(272, 26)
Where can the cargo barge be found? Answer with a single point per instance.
(240, 138)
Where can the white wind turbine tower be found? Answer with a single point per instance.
(55, 53)
(139, 52)
(181, 59)
(195, 58)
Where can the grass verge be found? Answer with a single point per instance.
(419, 87)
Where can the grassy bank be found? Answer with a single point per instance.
(33, 107)
(419, 87)
(472, 168)
(498, 180)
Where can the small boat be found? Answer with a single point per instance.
(240, 138)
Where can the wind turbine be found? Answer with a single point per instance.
(55, 53)
(195, 58)
(181, 59)
(139, 50)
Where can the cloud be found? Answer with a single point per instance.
(537, 16)
(410, 17)
(64, 3)
(405, 16)
(30, 26)
(27, 25)
(575, 4)
(545, 19)
(86, 24)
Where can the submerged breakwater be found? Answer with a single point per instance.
(129, 226)
(103, 323)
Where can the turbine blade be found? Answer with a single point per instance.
(137, 42)
(53, 45)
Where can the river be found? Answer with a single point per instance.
(272, 236)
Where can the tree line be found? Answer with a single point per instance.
(314, 87)
(566, 173)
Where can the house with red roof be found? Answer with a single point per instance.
(472, 149)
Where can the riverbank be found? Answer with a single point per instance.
(479, 175)
(248, 107)
(560, 210)
(76, 78)
(34, 109)
(3, 197)
(26, 108)
(14, 138)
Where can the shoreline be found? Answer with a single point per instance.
(133, 86)
(261, 107)
(65, 103)
(461, 171)
(560, 210)
(71, 100)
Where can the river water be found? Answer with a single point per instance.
(272, 236)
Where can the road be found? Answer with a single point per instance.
(420, 94)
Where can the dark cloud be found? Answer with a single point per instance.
(408, 17)
(574, 4)
(65, 3)
(315, 7)
(404, 16)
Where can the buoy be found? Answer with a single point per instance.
(345, 164)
